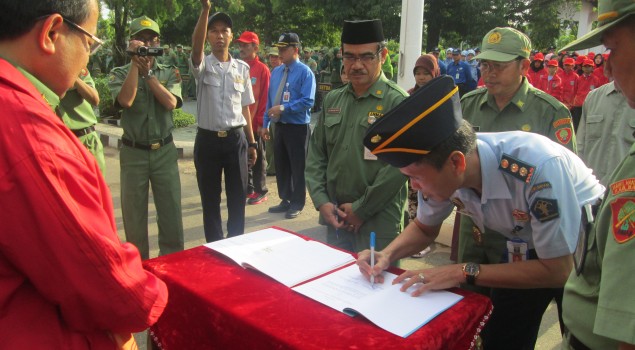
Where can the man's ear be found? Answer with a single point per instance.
(49, 33)
(458, 161)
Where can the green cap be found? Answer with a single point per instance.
(166, 46)
(610, 13)
(504, 45)
(143, 23)
(273, 52)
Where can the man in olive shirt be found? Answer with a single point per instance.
(354, 192)
(77, 113)
(506, 103)
(599, 303)
(148, 92)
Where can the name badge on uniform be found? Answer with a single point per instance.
(368, 155)
(579, 256)
(286, 96)
(516, 250)
(457, 76)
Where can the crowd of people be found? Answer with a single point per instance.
(537, 162)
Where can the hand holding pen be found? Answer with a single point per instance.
(372, 273)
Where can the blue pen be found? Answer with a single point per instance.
(372, 257)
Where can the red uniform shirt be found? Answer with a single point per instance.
(66, 281)
(599, 73)
(584, 85)
(553, 87)
(536, 77)
(260, 74)
(569, 81)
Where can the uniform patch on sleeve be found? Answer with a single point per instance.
(626, 185)
(545, 209)
(623, 223)
(177, 73)
(539, 187)
(562, 121)
(564, 135)
(514, 167)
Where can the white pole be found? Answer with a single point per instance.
(410, 40)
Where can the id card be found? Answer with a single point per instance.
(516, 250)
(286, 96)
(368, 155)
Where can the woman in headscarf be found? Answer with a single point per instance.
(426, 68)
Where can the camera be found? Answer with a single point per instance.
(147, 51)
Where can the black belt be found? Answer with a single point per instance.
(84, 131)
(152, 146)
(220, 133)
(574, 342)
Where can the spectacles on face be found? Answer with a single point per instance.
(365, 58)
(147, 40)
(94, 46)
(489, 66)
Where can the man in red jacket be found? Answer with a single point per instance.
(551, 83)
(537, 69)
(260, 74)
(586, 82)
(66, 280)
(569, 79)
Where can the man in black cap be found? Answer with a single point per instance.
(530, 189)
(354, 192)
(224, 138)
(442, 67)
(289, 103)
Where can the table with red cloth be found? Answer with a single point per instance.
(216, 304)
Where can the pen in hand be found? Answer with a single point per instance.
(372, 258)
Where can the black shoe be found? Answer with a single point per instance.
(292, 213)
(280, 208)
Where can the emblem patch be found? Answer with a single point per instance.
(145, 23)
(380, 107)
(539, 187)
(564, 135)
(623, 223)
(375, 139)
(477, 235)
(379, 92)
(626, 185)
(494, 38)
(333, 110)
(253, 80)
(516, 168)
(545, 209)
(177, 73)
(526, 127)
(520, 215)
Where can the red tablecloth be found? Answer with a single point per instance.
(216, 304)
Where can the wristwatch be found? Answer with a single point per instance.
(281, 108)
(150, 74)
(253, 145)
(470, 272)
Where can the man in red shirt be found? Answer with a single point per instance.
(66, 281)
(537, 69)
(586, 82)
(259, 73)
(551, 83)
(569, 79)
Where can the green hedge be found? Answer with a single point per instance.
(182, 119)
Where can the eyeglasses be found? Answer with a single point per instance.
(94, 46)
(488, 66)
(147, 40)
(365, 58)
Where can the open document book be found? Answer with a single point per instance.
(281, 255)
(291, 260)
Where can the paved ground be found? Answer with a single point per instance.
(257, 218)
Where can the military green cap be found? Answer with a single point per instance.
(273, 52)
(504, 45)
(610, 13)
(143, 23)
(166, 46)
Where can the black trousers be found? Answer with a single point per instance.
(213, 156)
(515, 321)
(291, 143)
(576, 115)
(258, 173)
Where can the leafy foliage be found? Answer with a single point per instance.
(106, 103)
(182, 119)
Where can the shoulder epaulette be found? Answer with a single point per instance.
(514, 167)
(477, 91)
(396, 86)
(546, 97)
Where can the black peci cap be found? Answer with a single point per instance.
(418, 124)
(362, 32)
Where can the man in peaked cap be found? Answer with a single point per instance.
(599, 305)
(354, 192)
(508, 102)
(148, 92)
(461, 72)
(522, 185)
(224, 94)
(289, 102)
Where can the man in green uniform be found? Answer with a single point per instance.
(148, 92)
(181, 63)
(169, 57)
(354, 192)
(77, 113)
(599, 304)
(508, 102)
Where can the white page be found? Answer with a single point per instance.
(383, 304)
(281, 255)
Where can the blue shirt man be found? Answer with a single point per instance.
(289, 102)
(461, 72)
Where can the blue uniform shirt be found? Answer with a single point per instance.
(533, 189)
(301, 88)
(461, 72)
(442, 67)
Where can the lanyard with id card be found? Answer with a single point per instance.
(286, 96)
(516, 247)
